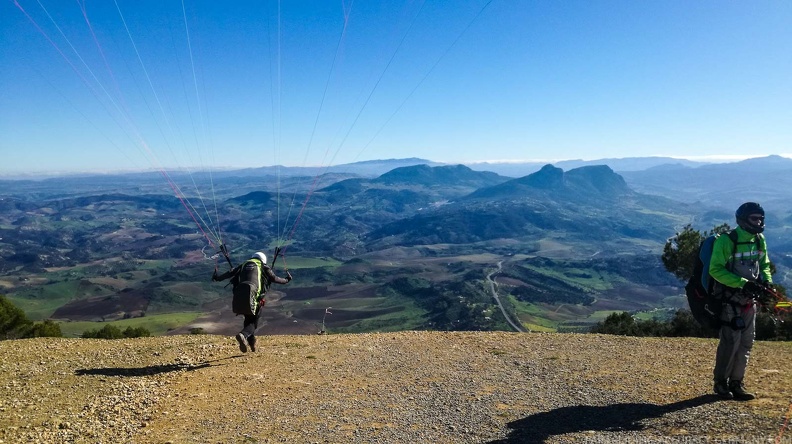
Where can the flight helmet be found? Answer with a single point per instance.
(751, 217)
(260, 256)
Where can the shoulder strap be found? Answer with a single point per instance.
(735, 241)
(758, 238)
(733, 236)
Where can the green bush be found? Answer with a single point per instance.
(137, 332)
(624, 324)
(683, 324)
(112, 332)
(768, 328)
(46, 329)
(14, 323)
(106, 332)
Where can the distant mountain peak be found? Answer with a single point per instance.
(548, 177)
(433, 175)
(592, 181)
(597, 177)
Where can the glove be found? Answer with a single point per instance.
(753, 287)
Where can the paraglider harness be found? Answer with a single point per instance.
(706, 307)
(772, 301)
(248, 288)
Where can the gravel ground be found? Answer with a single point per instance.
(406, 387)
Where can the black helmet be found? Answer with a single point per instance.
(753, 226)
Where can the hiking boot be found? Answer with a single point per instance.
(252, 343)
(738, 390)
(242, 342)
(722, 390)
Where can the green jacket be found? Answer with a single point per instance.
(748, 263)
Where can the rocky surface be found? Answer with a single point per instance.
(407, 387)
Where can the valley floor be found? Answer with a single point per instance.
(406, 387)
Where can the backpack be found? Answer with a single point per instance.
(704, 306)
(248, 289)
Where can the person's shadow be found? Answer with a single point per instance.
(616, 417)
(146, 371)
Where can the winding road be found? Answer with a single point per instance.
(515, 325)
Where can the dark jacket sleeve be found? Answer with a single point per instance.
(271, 277)
(230, 273)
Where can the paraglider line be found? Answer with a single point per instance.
(783, 428)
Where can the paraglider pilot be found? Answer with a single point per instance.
(250, 281)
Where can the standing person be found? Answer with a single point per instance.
(740, 272)
(251, 280)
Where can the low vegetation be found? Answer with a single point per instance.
(768, 328)
(113, 332)
(14, 324)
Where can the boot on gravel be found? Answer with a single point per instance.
(738, 390)
(242, 342)
(722, 390)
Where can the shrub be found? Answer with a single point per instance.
(624, 324)
(684, 325)
(46, 329)
(106, 332)
(621, 324)
(137, 332)
(113, 332)
(13, 321)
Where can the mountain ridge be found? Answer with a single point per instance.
(589, 181)
(418, 237)
(574, 202)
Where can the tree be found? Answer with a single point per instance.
(46, 329)
(14, 323)
(684, 325)
(621, 324)
(765, 327)
(680, 252)
(136, 332)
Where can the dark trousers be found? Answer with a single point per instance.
(734, 349)
(250, 325)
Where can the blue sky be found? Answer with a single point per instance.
(206, 84)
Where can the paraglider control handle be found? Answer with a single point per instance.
(753, 288)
